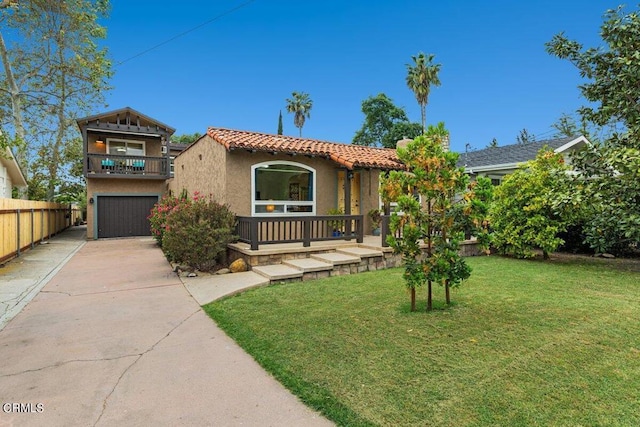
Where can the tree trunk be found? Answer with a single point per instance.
(423, 113)
(446, 291)
(16, 104)
(429, 253)
(545, 255)
(413, 299)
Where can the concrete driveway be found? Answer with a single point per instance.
(114, 338)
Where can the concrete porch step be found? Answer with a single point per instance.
(307, 265)
(277, 272)
(360, 252)
(336, 258)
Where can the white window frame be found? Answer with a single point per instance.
(285, 203)
(126, 141)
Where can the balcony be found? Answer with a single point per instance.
(137, 167)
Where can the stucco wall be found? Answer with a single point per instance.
(201, 167)
(102, 186)
(369, 196)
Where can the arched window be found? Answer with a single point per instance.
(283, 188)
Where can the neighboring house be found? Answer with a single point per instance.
(174, 150)
(263, 175)
(126, 165)
(496, 162)
(11, 176)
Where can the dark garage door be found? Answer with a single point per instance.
(123, 216)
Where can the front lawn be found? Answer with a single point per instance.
(525, 343)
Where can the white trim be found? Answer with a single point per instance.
(255, 202)
(571, 143)
(126, 141)
(510, 166)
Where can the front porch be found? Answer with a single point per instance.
(293, 261)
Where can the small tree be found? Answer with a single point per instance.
(529, 211)
(524, 137)
(431, 173)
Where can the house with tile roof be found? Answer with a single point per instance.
(264, 175)
(496, 162)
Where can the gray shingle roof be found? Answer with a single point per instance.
(515, 153)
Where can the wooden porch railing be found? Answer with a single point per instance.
(109, 165)
(258, 231)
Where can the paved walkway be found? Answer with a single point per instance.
(114, 338)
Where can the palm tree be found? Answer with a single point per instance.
(420, 76)
(300, 104)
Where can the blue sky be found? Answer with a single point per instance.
(237, 71)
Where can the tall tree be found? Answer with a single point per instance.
(300, 105)
(566, 126)
(55, 63)
(524, 137)
(280, 123)
(186, 138)
(380, 123)
(421, 75)
(401, 130)
(610, 169)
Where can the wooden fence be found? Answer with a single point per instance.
(23, 223)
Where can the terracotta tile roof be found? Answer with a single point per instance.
(350, 156)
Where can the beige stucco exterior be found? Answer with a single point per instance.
(207, 167)
(121, 187)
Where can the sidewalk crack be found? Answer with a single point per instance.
(106, 399)
(66, 362)
(56, 292)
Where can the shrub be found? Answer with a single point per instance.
(197, 232)
(532, 207)
(160, 212)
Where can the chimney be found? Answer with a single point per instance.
(445, 142)
(403, 142)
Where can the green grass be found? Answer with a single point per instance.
(525, 343)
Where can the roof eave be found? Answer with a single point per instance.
(579, 140)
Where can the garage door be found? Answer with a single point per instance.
(124, 216)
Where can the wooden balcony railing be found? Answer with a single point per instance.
(107, 165)
(258, 231)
